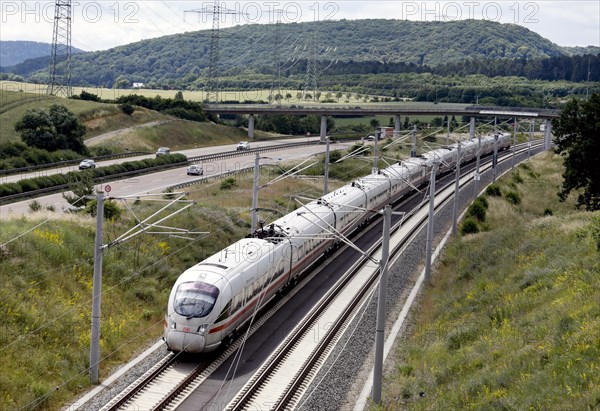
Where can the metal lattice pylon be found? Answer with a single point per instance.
(311, 69)
(276, 86)
(212, 82)
(60, 71)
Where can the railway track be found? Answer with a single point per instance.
(281, 381)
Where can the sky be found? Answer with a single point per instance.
(99, 25)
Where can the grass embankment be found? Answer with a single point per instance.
(98, 117)
(101, 118)
(511, 320)
(176, 134)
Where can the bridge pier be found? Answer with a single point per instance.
(396, 125)
(548, 135)
(251, 126)
(323, 134)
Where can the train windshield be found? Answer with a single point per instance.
(195, 299)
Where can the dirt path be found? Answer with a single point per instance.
(98, 139)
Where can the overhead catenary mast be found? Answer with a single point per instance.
(60, 69)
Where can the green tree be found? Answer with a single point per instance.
(179, 95)
(82, 191)
(577, 139)
(121, 82)
(55, 129)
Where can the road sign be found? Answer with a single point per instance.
(107, 188)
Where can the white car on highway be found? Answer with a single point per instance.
(87, 163)
(243, 145)
(195, 170)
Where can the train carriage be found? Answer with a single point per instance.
(215, 297)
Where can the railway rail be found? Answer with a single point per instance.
(281, 381)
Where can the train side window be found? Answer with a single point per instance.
(237, 302)
(249, 292)
(225, 312)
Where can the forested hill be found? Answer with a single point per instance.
(248, 48)
(15, 52)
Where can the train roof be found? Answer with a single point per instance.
(241, 253)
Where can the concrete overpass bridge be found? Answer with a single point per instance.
(395, 110)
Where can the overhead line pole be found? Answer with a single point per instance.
(381, 300)
(514, 147)
(97, 292)
(255, 193)
(429, 244)
(326, 173)
(456, 192)
(97, 280)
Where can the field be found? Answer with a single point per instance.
(511, 319)
(193, 95)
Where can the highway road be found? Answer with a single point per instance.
(157, 182)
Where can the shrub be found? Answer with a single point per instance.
(469, 226)
(547, 212)
(358, 146)
(458, 338)
(483, 201)
(127, 108)
(111, 209)
(513, 197)
(228, 183)
(168, 193)
(8, 189)
(477, 210)
(101, 151)
(493, 190)
(34, 206)
(334, 156)
(29, 185)
(88, 96)
(516, 177)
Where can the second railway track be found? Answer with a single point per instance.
(280, 382)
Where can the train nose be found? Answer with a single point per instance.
(184, 341)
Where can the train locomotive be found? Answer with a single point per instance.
(210, 301)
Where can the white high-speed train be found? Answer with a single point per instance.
(215, 297)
